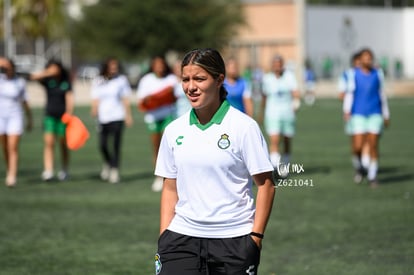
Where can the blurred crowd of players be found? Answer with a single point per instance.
(361, 88)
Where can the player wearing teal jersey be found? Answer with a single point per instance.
(280, 101)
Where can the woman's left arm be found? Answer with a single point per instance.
(29, 116)
(264, 203)
(128, 115)
(69, 98)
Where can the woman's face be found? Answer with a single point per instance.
(112, 67)
(158, 67)
(232, 69)
(277, 66)
(366, 59)
(201, 89)
(8, 68)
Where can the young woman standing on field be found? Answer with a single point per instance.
(210, 222)
(158, 113)
(281, 99)
(12, 103)
(110, 104)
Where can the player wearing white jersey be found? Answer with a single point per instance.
(12, 103)
(110, 104)
(207, 160)
(159, 78)
(281, 99)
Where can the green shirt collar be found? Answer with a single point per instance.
(216, 119)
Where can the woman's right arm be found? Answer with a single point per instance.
(94, 108)
(51, 71)
(169, 199)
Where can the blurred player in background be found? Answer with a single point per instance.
(366, 108)
(310, 82)
(239, 94)
(281, 99)
(110, 104)
(344, 85)
(158, 112)
(59, 100)
(13, 101)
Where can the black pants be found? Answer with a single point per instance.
(184, 255)
(107, 131)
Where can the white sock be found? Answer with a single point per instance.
(356, 162)
(275, 159)
(365, 161)
(372, 170)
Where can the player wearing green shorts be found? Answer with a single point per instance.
(366, 110)
(59, 100)
(280, 100)
(159, 78)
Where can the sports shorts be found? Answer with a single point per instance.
(11, 125)
(280, 126)
(359, 124)
(159, 125)
(54, 125)
(186, 255)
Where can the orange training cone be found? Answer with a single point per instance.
(76, 132)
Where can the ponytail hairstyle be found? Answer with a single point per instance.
(211, 61)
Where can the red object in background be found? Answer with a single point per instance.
(76, 132)
(164, 97)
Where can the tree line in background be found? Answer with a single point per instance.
(131, 29)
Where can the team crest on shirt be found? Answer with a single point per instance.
(158, 264)
(223, 142)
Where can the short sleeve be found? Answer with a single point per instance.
(125, 87)
(21, 84)
(95, 88)
(165, 166)
(292, 82)
(265, 85)
(254, 150)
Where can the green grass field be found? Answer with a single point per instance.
(85, 226)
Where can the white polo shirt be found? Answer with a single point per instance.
(212, 165)
(279, 98)
(110, 94)
(12, 94)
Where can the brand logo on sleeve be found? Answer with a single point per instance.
(179, 140)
